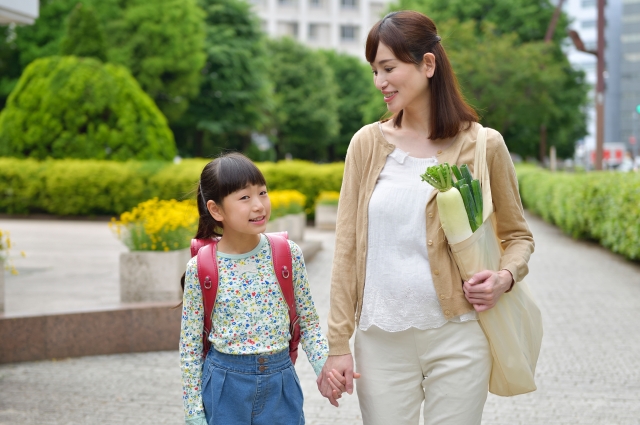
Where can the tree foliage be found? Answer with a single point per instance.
(517, 82)
(68, 107)
(84, 36)
(235, 95)
(160, 42)
(306, 114)
(356, 92)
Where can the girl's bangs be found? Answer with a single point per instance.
(236, 173)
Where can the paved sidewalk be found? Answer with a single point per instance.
(588, 373)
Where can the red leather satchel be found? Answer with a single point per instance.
(205, 249)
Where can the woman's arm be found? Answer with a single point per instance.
(191, 347)
(484, 289)
(344, 299)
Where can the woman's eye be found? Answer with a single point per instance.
(374, 72)
(388, 69)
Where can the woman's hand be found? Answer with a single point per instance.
(336, 377)
(484, 288)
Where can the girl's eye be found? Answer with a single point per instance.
(264, 192)
(245, 197)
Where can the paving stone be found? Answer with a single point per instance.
(588, 372)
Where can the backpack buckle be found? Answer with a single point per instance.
(207, 282)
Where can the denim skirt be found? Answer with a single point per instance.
(256, 389)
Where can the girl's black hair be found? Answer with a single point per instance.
(219, 178)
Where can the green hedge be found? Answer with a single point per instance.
(92, 187)
(603, 206)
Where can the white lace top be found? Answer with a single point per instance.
(399, 292)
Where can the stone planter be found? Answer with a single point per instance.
(293, 224)
(326, 216)
(2, 285)
(152, 276)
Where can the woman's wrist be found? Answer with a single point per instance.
(506, 279)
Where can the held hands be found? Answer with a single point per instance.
(337, 377)
(484, 288)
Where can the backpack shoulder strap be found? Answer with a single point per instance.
(208, 277)
(282, 265)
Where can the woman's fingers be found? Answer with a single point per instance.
(335, 383)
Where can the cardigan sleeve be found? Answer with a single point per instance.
(344, 298)
(513, 229)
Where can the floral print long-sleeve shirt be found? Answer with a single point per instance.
(250, 317)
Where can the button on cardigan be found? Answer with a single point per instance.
(365, 159)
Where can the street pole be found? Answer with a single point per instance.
(600, 87)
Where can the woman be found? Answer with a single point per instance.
(394, 279)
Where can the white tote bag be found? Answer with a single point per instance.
(513, 326)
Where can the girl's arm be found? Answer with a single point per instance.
(313, 341)
(191, 347)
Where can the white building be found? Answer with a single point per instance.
(584, 17)
(342, 25)
(18, 11)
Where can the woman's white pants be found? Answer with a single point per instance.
(448, 368)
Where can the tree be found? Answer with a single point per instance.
(355, 92)
(69, 107)
(306, 113)
(494, 38)
(84, 36)
(161, 43)
(235, 95)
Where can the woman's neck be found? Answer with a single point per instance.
(237, 243)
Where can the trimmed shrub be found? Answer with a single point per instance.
(92, 187)
(69, 107)
(602, 206)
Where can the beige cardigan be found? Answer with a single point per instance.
(365, 159)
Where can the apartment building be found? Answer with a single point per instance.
(584, 17)
(18, 11)
(338, 24)
(629, 117)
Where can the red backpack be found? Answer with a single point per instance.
(205, 249)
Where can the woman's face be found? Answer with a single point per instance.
(403, 85)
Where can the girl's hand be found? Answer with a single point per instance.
(338, 382)
(484, 288)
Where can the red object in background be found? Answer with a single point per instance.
(632, 140)
(611, 155)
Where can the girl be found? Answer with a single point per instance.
(394, 280)
(247, 376)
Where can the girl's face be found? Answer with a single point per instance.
(245, 211)
(404, 85)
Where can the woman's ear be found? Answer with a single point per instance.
(215, 211)
(429, 62)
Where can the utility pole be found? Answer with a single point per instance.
(599, 54)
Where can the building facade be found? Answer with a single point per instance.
(342, 25)
(629, 117)
(18, 11)
(584, 17)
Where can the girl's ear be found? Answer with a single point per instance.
(215, 210)
(429, 64)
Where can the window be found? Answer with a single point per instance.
(313, 32)
(589, 24)
(588, 3)
(348, 32)
(349, 4)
